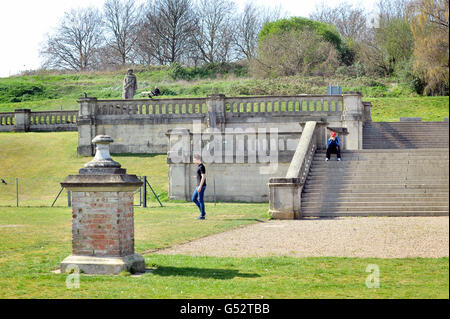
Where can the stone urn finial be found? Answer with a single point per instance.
(102, 157)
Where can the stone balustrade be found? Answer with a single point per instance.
(283, 105)
(24, 120)
(285, 192)
(139, 126)
(7, 121)
(152, 107)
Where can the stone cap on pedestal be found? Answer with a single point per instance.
(102, 174)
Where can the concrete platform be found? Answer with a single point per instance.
(105, 265)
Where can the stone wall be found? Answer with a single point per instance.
(236, 174)
(239, 182)
(239, 164)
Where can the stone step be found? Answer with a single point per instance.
(397, 134)
(375, 180)
(348, 157)
(432, 140)
(391, 213)
(388, 171)
(377, 163)
(401, 145)
(398, 180)
(308, 200)
(397, 190)
(349, 166)
(374, 147)
(435, 138)
(376, 196)
(407, 125)
(416, 171)
(421, 150)
(373, 187)
(406, 129)
(367, 133)
(377, 208)
(339, 204)
(387, 178)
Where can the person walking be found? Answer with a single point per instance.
(197, 196)
(334, 146)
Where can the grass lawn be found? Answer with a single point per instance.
(42, 160)
(430, 108)
(33, 241)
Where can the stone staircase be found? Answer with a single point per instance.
(379, 182)
(394, 135)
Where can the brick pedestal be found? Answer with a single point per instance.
(102, 216)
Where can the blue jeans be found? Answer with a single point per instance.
(197, 198)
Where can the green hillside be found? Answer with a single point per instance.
(52, 91)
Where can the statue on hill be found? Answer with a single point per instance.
(129, 85)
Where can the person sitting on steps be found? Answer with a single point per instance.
(334, 146)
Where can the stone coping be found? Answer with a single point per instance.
(99, 183)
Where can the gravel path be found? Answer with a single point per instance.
(382, 237)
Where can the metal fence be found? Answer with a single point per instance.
(47, 192)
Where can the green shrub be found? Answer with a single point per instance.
(176, 71)
(405, 73)
(15, 92)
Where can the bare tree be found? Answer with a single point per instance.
(76, 41)
(392, 9)
(214, 30)
(295, 52)
(351, 22)
(248, 25)
(169, 26)
(121, 21)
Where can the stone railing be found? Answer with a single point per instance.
(23, 120)
(53, 120)
(285, 192)
(283, 105)
(152, 107)
(7, 121)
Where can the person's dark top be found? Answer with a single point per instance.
(201, 170)
(156, 92)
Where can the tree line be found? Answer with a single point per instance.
(403, 38)
(159, 32)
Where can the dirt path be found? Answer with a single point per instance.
(383, 237)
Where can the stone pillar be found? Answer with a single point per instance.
(178, 157)
(86, 125)
(22, 120)
(285, 197)
(215, 104)
(352, 119)
(102, 216)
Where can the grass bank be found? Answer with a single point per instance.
(42, 160)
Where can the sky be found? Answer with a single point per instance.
(25, 23)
